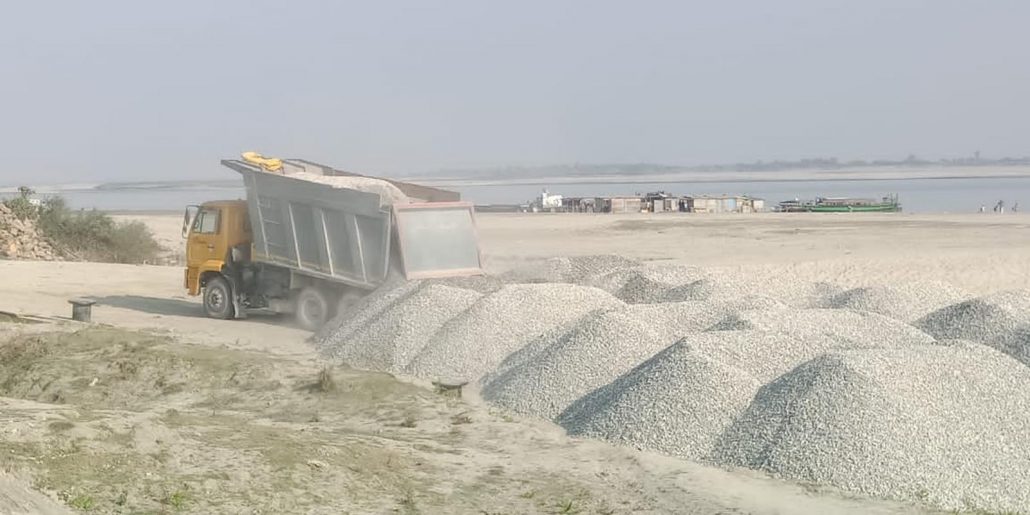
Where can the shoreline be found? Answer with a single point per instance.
(673, 177)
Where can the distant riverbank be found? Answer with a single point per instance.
(940, 190)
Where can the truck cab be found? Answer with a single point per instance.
(212, 229)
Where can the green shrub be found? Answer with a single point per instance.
(88, 235)
(21, 206)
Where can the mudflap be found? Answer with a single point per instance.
(238, 307)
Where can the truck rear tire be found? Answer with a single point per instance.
(313, 308)
(218, 299)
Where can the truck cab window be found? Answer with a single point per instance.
(206, 221)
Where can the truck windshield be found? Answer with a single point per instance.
(206, 221)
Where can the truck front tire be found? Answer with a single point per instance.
(313, 308)
(218, 298)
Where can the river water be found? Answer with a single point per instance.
(916, 195)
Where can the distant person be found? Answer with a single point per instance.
(999, 207)
(1015, 207)
(983, 208)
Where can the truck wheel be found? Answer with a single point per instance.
(348, 299)
(313, 309)
(218, 299)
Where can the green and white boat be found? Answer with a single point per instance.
(888, 204)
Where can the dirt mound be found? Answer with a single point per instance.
(940, 424)
(20, 239)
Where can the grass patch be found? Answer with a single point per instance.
(325, 383)
(177, 499)
(83, 503)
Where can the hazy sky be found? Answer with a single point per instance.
(132, 90)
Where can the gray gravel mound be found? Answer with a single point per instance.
(678, 402)
(567, 269)
(1015, 344)
(907, 302)
(983, 319)
(771, 343)
(479, 339)
(706, 289)
(846, 327)
(390, 340)
(644, 284)
(547, 375)
(786, 287)
(943, 424)
(336, 331)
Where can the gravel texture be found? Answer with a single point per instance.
(846, 327)
(947, 425)
(336, 332)
(479, 339)
(666, 275)
(677, 402)
(905, 302)
(388, 193)
(860, 389)
(390, 340)
(983, 319)
(1001, 320)
(568, 269)
(551, 372)
(1015, 344)
(772, 343)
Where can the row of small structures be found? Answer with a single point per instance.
(656, 202)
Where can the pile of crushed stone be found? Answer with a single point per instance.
(678, 402)
(547, 375)
(575, 269)
(388, 193)
(1001, 320)
(907, 302)
(693, 362)
(392, 339)
(475, 342)
(945, 425)
(852, 327)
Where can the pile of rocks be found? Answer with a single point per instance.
(864, 389)
(20, 239)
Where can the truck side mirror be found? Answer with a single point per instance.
(187, 219)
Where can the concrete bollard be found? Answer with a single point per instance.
(82, 309)
(449, 387)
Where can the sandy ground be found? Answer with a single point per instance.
(494, 464)
(980, 253)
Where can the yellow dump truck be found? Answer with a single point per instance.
(309, 239)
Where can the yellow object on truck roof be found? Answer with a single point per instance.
(270, 164)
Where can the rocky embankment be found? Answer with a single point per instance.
(21, 239)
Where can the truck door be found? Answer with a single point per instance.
(204, 243)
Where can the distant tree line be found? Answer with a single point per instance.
(817, 163)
